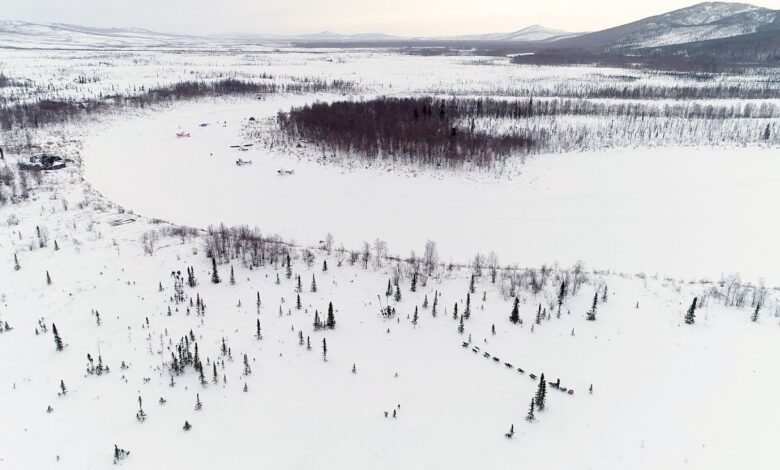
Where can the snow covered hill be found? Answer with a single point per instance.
(21, 34)
(527, 34)
(701, 22)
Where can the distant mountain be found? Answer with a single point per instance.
(23, 34)
(528, 34)
(701, 22)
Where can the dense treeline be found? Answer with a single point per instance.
(38, 113)
(484, 131)
(417, 130)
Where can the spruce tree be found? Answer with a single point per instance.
(530, 415)
(324, 349)
(313, 284)
(232, 276)
(471, 285)
(298, 302)
(389, 290)
(57, 339)
(48, 278)
(214, 274)
(17, 266)
(755, 312)
(604, 297)
(591, 316)
(539, 315)
(317, 323)
(460, 325)
(414, 317)
(198, 403)
(288, 272)
(397, 297)
(331, 321)
(247, 369)
(467, 310)
(258, 334)
(324, 266)
(690, 315)
(766, 133)
(425, 301)
(413, 288)
(541, 393)
(561, 294)
(63, 389)
(514, 317)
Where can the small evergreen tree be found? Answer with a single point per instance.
(530, 415)
(690, 315)
(460, 325)
(413, 288)
(198, 403)
(288, 272)
(330, 323)
(766, 133)
(561, 294)
(57, 338)
(467, 310)
(425, 301)
(214, 274)
(755, 312)
(541, 393)
(591, 316)
(48, 278)
(414, 317)
(604, 297)
(258, 333)
(514, 317)
(298, 302)
(17, 266)
(397, 296)
(324, 265)
(247, 369)
(472, 287)
(539, 315)
(232, 276)
(63, 389)
(313, 284)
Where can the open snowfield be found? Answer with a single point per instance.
(663, 390)
(691, 212)
(654, 227)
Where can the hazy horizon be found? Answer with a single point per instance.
(399, 17)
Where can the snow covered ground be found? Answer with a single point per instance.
(690, 212)
(666, 394)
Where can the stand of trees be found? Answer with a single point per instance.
(426, 130)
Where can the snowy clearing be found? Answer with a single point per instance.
(693, 212)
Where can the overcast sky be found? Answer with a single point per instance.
(401, 17)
